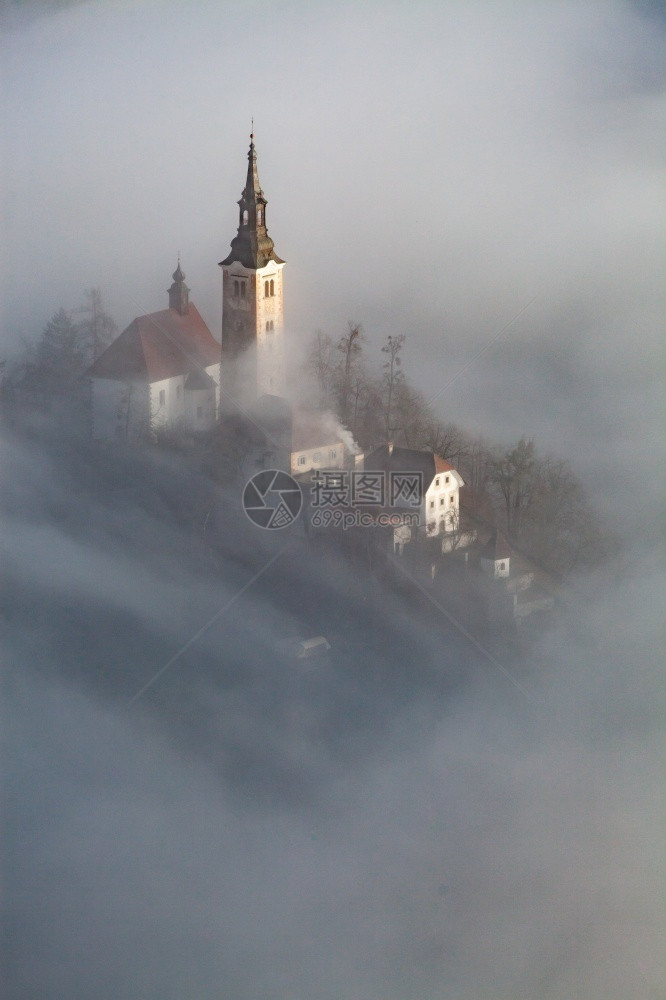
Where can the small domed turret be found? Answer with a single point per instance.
(179, 293)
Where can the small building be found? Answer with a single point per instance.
(319, 442)
(162, 372)
(437, 496)
(495, 556)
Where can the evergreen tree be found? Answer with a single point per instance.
(60, 358)
(97, 329)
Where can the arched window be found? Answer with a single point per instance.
(236, 289)
(245, 217)
(266, 289)
(259, 216)
(271, 326)
(272, 287)
(268, 326)
(242, 289)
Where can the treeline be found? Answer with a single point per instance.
(537, 500)
(49, 376)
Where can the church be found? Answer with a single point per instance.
(166, 371)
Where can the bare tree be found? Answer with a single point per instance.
(320, 366)
(393, 377)
(348, 368)
(513, 474)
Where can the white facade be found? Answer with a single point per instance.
(132, 410)
(176, 405)
(326, 456)
(442, 503)
(253, 330)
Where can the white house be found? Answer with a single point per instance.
(163, 371)
(438, 502)
(441, 512)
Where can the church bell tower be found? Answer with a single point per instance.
(252, 311)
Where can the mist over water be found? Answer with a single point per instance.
(410, 820)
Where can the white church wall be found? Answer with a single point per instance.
(167, 402)
(199, 413)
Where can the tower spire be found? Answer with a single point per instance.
(252, 246)
(252, 301)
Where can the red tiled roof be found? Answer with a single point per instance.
(441, 465)
(158, 346)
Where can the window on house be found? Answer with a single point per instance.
(447, 480)
(502, 565)
(245, 217)
(441, 501)
(301, 460)
(437, 481)
(267, 288)
(267, 327)
(259, 216)
(271, 326)
(242, 289)
(236, 288)
(432, 503)
(272, 287)
(333, 453)
(162, 397)
(451, 500)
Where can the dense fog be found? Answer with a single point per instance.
(187, 812)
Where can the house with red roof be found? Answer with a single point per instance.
(436, 498)
(162, 372)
